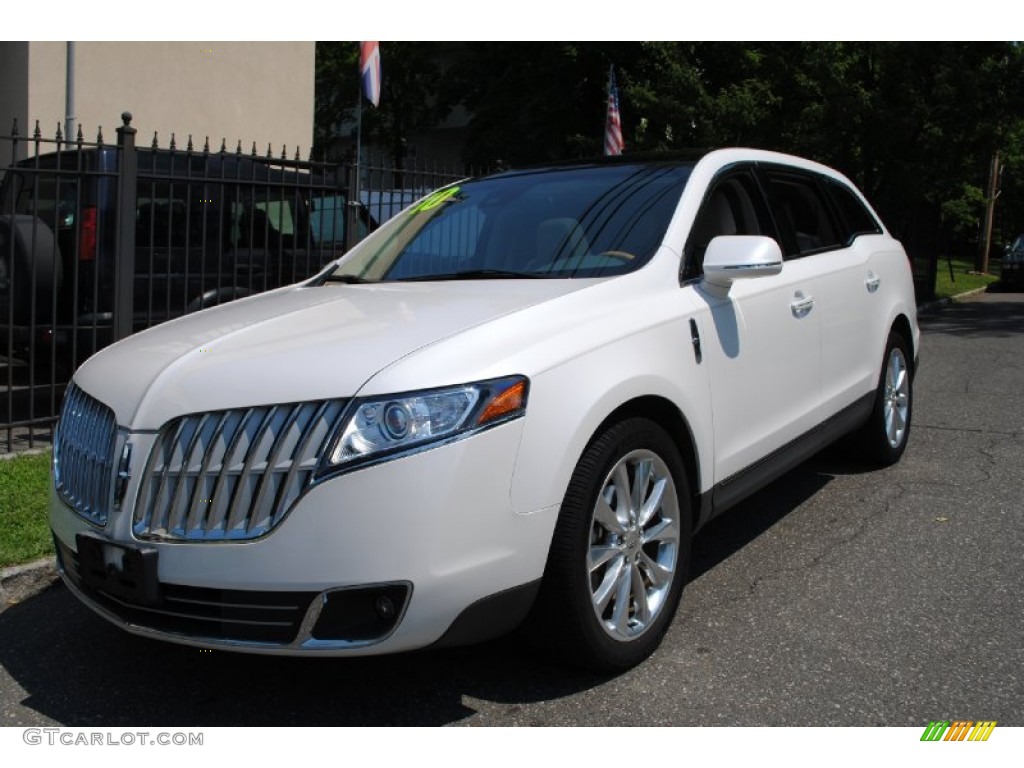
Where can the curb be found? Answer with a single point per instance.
(929, 306)
(20, 582)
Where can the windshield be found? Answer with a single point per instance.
(588, 221)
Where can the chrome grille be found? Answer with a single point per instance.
(83, 455)
(231, 475)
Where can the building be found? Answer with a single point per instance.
(253, 92)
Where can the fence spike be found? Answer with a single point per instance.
(189, 147)
(254, 149)
(14, 128)
(99, 135)
(270, 152)
(37, 134)
(223, 145)
(79, 138)
(238, 150)
(297, 158)
(155, 144)
(206, 146)
(284, 152)
(174, 145)
(60, 136)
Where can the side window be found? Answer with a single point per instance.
(169, 215)
(734, 206)
(802, 211)
(857, 219)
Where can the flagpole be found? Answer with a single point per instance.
(359, 139)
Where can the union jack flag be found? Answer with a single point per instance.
(369, 67)
(613, 141)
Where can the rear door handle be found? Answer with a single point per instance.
(872, 281)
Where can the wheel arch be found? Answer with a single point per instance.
(901, 325)
(667, 415)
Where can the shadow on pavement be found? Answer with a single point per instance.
(995, 313)
(731, 531)
(78, 670)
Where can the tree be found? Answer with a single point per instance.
(409, 98)
(913, 124)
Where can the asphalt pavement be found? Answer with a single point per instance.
(838, 596)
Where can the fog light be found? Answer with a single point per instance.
(361, 614)
(384, 607)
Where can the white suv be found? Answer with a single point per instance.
(518, 399)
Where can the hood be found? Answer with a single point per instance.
(293, 344)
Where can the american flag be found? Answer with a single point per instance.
(369, 67)
(613, 142)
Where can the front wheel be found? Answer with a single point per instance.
(884, 437)
(620, 550)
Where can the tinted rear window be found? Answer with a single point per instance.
(857, 219)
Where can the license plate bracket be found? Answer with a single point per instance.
(120, 571)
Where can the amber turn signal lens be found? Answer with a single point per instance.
(509, 401)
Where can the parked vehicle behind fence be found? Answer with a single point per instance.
(1011, 275)
(208, 228)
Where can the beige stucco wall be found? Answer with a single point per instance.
(257, 92)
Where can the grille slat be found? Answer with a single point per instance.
(323, 426)
(239, 511)
(200, 510)
(84, 455)
(231, 475)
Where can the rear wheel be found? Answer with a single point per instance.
(884, 437)
(620, 551)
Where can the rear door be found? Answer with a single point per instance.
(831, 231)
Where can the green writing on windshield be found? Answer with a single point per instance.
(435, 199)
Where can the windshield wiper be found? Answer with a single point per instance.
(473, 274)
(347, 279)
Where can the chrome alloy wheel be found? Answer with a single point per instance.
(896, 403)
(634, 544)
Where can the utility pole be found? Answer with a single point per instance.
(69, 94)
(995, 172)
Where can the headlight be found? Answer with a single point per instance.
(380, 428)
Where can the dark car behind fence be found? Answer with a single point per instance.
(100, 240)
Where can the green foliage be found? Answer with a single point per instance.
(962, 214)
(409, 95)
(956, 276)
(913, 124)
(24, 488)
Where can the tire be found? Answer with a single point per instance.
(883, 438)
(34, 249)
(616, 568)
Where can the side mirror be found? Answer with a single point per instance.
(732, 257)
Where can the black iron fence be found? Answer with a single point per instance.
(100, 240)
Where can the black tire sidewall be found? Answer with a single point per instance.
(875, 438)
(570, 547)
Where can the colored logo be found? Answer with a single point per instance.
(435, 199)
(958, 730)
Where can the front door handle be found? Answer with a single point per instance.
(872, 281)
(801, 305)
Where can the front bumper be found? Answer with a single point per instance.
(436, 528)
